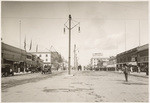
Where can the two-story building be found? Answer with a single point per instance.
(45, 56)
(98, 61)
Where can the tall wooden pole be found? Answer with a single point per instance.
(139, 34)
(20, 33)
(69, 45)
(125, 35)
(75, 57)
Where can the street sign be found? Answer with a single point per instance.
(97, 55)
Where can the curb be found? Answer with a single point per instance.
(134, 75)
(139, 75)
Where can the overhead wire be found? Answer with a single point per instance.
(32, 18)
(77, 18)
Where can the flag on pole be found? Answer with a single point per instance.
(30, 45)
(36, 48)
(25, 43)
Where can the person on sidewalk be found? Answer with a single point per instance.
(138, 69)
(146, 69)
(126, 72)
(50, 71)
(131, 69)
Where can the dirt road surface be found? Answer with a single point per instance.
(84, 86)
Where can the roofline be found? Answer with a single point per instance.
(132, 49)
(11, 46)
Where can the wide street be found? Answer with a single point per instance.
(83, 86)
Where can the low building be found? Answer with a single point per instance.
(136, 57)
(142, 57)
(45, 56)
(13, 56)
(18, 60)
(98, 61)
(111, 64)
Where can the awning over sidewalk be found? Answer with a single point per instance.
(111, 66)
(132, 63)
(11, 56)
(143, 59)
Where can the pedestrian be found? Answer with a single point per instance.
(139, 69)
(146, 69)
(50, 69)
(126, 72)
(57, 67)
(131, 68)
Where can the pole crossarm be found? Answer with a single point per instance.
(66, 21)
(66, 26)
(75, 25)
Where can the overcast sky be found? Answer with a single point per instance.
(102, 26)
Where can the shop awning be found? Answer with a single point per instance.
(110, 66)
(143, 59)
(132, 63)
(11, 56)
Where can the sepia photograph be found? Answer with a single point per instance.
(75, 51)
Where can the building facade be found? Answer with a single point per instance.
(136, 57)
(98, 61)
(45, 56)
(111, 64)
(17, 60)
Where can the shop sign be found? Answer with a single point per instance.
(133, 59)
(144, 59)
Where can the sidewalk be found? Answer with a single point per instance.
(141, 74)
(22, 73)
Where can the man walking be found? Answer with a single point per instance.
(131, 69)
(126, 72)
(146, 69)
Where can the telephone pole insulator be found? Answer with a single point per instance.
(69, 16)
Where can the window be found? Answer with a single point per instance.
(46, 55)
(33, 57)
(46, 59)
(40, 55)
(29, 57)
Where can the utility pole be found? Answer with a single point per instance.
(69, 44)
(19, 41)
(75, 57)
(51, 56)
(20, 33)
(125, 35)
(70, 28)
(139, 34)
(77, 61)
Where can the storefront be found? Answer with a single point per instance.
(13, 56)
(143, 57)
